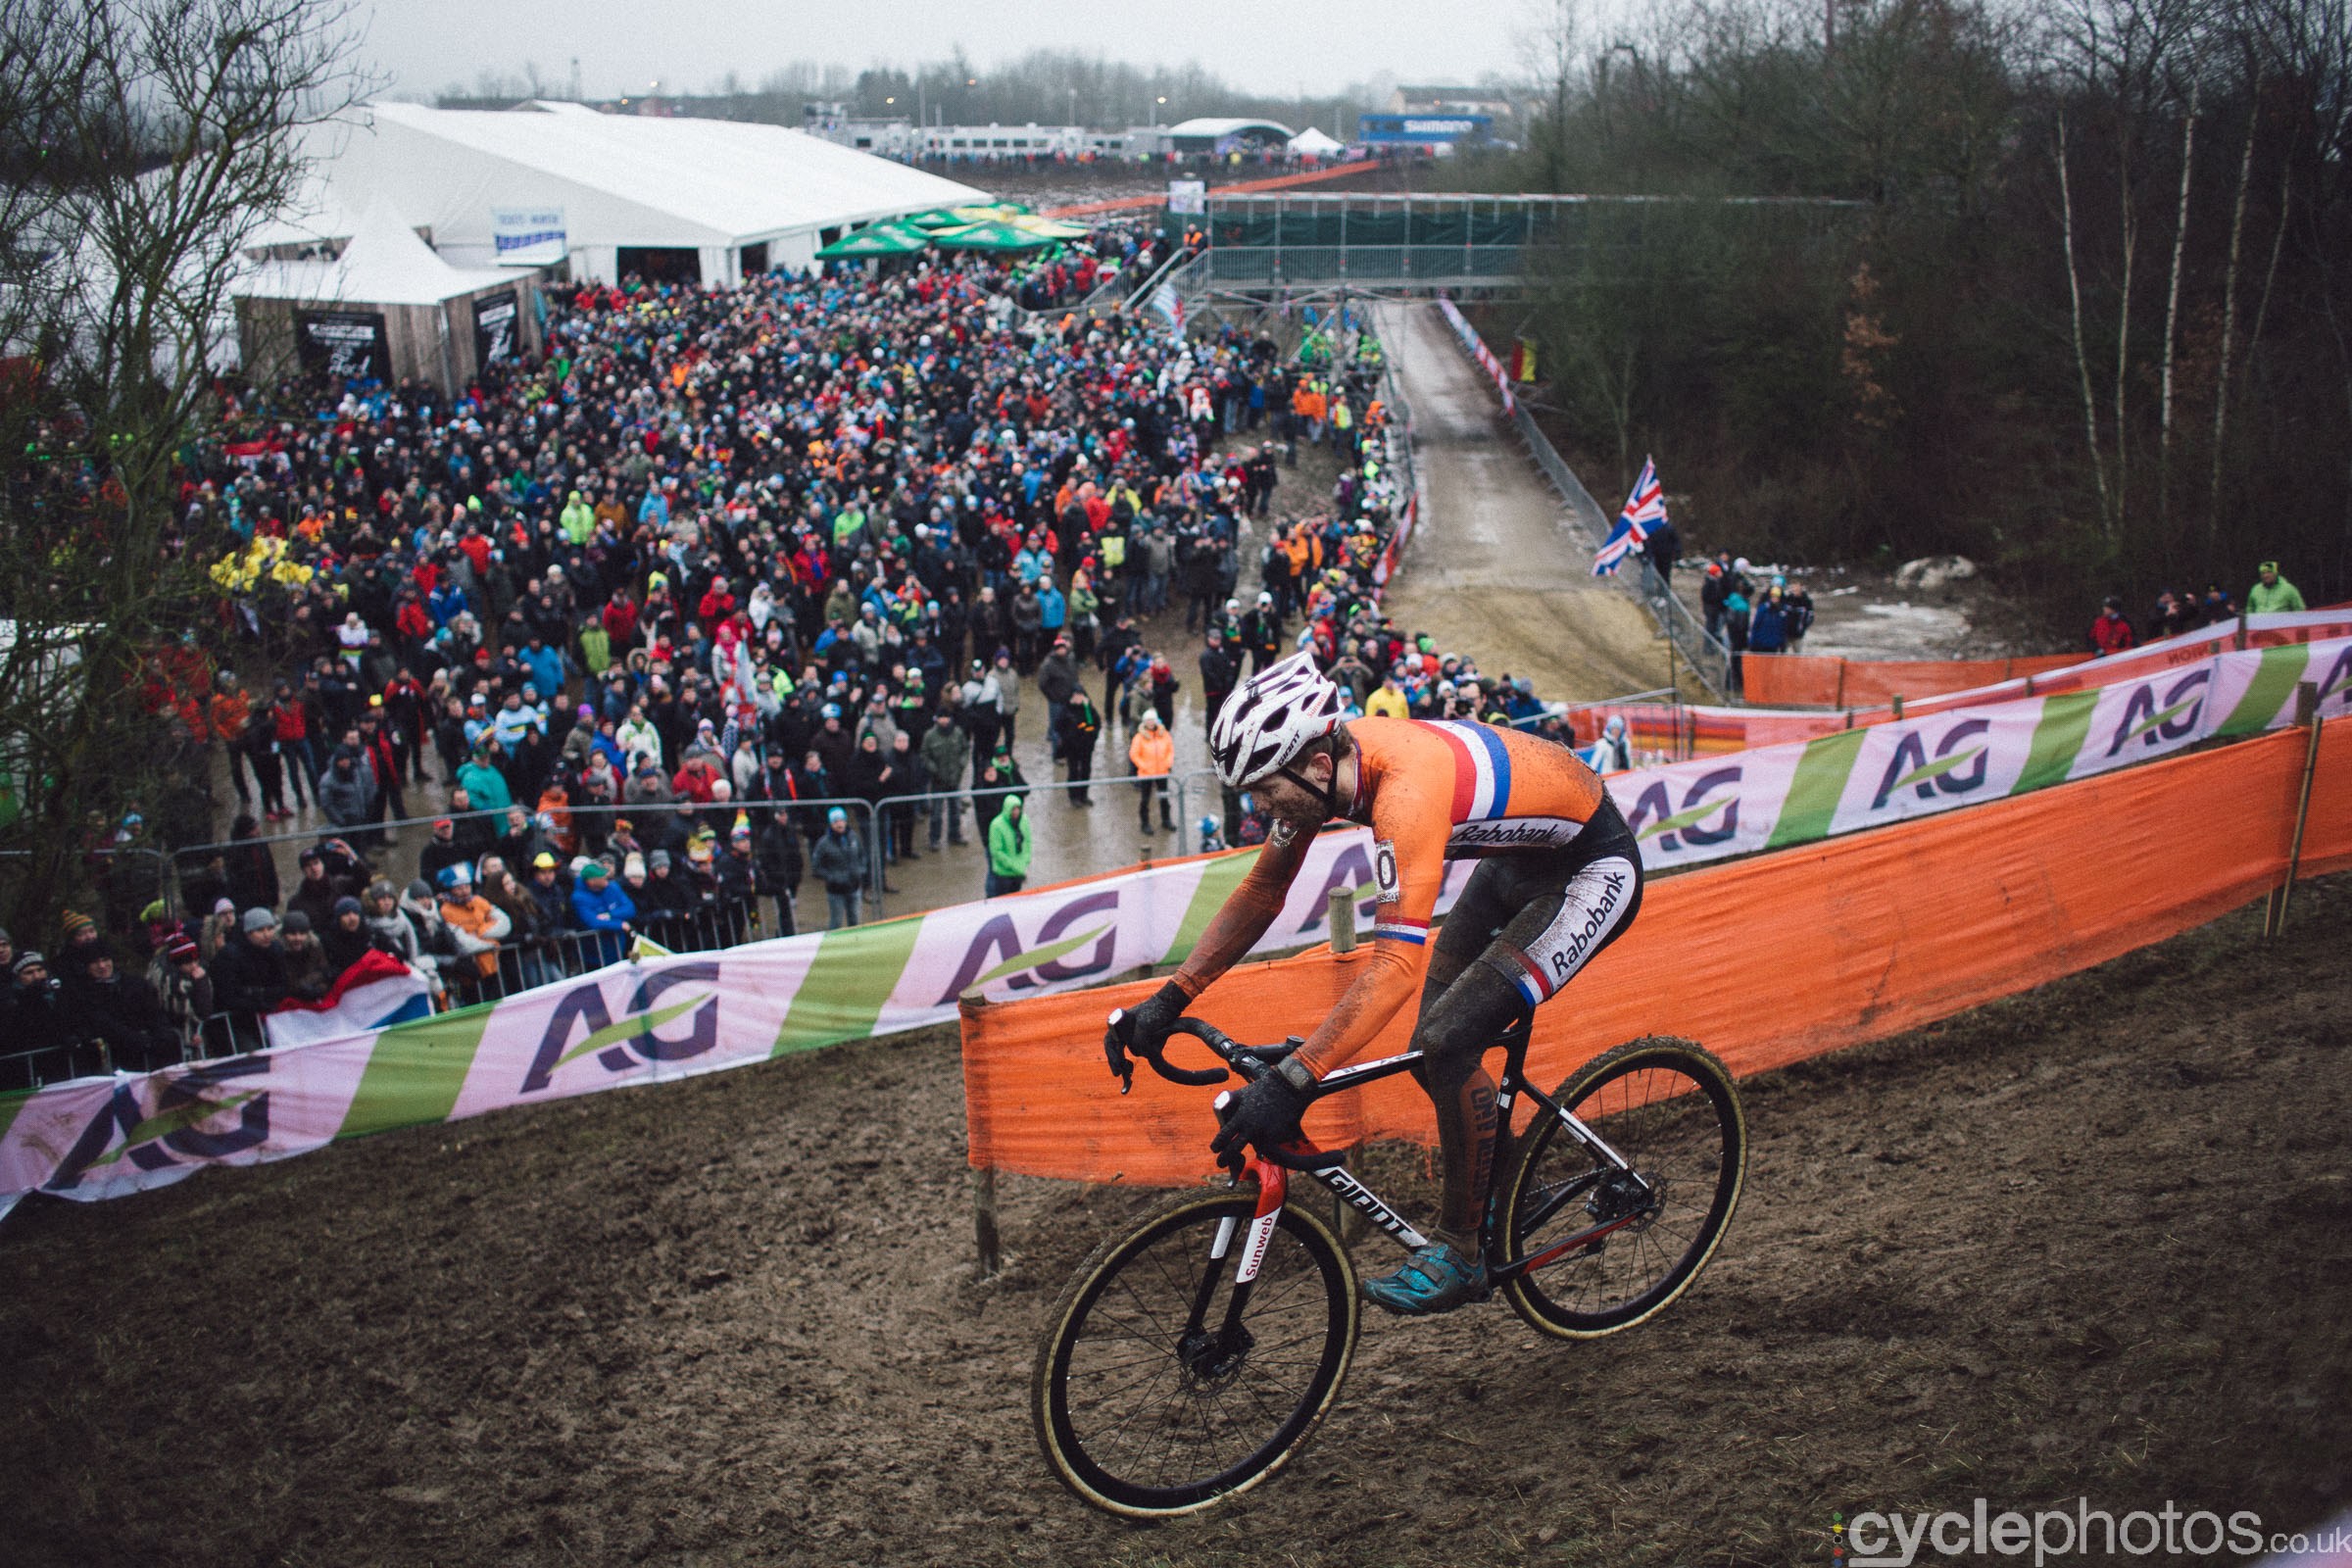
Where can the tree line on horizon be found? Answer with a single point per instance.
(1045, 86)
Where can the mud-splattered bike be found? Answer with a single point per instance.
(1195, 1356)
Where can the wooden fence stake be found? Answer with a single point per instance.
(2307, 715)
(1342, 919)
(984, 1221)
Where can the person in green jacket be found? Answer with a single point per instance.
(1009, 849)
(596, 647)
(2272, 592)
(579, 520)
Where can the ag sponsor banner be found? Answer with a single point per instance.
(677, 1016)
(643, 1022)
(355, 344)
(1775, 796)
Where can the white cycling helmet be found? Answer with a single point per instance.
(1277, 713)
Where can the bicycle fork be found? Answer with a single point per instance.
(1208, 1355)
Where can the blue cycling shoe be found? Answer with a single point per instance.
(1435, 1279)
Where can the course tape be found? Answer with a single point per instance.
(650, 1022)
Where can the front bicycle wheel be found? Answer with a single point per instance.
(1155, 1395)
(1610, 1249)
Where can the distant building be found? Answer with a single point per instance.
(1491, 102)
(1220, 135)
(902, 139)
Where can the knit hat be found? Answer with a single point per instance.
(419, 888)
(77, 925)
(659, 861)
(180, 950)
(27, 959)
(295, 921)
(154, 911)
(258, 919)
(346, 905)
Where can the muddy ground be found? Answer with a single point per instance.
(2096, 1241)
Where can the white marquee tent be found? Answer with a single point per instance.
(386, 308)
(1312, 143)
(705, 199)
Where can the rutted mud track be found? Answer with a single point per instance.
(1495, 571)
(2096, 1241)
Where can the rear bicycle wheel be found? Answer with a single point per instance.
(1669, 1110)
(1151, 1397)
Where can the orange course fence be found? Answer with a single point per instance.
(1766, 962)
(1810, 680)
(1305, 177)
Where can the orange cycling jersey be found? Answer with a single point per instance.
(1431, 792)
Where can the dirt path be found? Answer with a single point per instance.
(1495, 571)
(2096, 1242)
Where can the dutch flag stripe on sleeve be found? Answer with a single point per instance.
(1397, 928)
(1481, 771)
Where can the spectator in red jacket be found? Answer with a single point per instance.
(2111, 633)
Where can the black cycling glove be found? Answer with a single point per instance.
(1144, 1028)
(1264, 1114)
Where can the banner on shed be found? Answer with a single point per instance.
(352, 344)
(496, 338)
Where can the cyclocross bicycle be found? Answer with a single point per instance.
(1193, 1357)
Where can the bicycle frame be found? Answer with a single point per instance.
(1512, 1085)
(1273, 1182)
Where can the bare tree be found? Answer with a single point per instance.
(149, 139)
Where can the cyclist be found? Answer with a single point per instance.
(1559, 878)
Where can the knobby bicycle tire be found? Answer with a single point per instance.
(1568, 1297)
(1116, 1332)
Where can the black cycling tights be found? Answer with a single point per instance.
(1520, 916)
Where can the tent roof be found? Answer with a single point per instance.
(385, 263)
(1311, 140)
(1228, 127)
(729, 180)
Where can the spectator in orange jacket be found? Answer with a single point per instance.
(1152, 752)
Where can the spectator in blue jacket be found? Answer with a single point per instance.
(1768, 626)
(599, 905)
(545, 665)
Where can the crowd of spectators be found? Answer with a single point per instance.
(2112, 630)
(730, 587)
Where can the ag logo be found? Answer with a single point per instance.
(1957, 767)
(2150, 725)
(1057, 955)
(1384, 870)
(174, 1132)
(620, 1044)
(1653, 815)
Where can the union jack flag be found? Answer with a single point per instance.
(1646, 506)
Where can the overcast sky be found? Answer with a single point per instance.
(623, 45)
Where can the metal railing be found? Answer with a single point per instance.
(1708, 657)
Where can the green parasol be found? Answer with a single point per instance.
(989, 236)
(1050, 228)
(876, 239)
